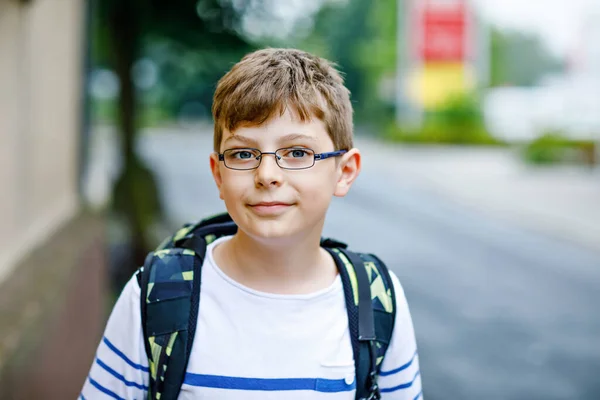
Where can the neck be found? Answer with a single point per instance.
(286, 266)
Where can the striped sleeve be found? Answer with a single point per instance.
(400, 377)
(120, 367)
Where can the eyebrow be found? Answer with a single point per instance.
(240, 138)
(297, 136)
(286, 138)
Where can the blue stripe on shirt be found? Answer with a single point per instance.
(119, 376)
(402, 386)
(401, 368)
(275, 384)
(105, 390)
(123, 356)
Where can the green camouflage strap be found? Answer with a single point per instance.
(368, 354)
(167, 291)
(170, 286)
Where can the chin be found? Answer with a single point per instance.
(270, 228)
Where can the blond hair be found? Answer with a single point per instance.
(268, 81)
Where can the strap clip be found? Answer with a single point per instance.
(374, 391)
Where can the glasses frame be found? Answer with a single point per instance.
(316, 157)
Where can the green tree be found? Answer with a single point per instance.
(360, 36)
(335, 35)
(376, 56)
(519, 59)
(123, 30)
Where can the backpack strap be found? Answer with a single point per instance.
(170, 297)
(370, 303)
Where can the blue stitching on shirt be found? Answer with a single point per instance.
(403, 367)
(119, 376)
(123, 356)
(105, 390)
(402, 386)
(264, 384)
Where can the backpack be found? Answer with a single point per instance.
(170, 298)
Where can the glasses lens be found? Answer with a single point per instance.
(295, 158)
(241, 158)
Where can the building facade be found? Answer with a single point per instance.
(51, 252)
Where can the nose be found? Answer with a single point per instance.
(268, 172)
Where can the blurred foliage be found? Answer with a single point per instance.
(519, 59)
(126, 31)
(555, 148)
(334, 36)
(377, 58)
(459, 121)
(151, 114)
(360, 37)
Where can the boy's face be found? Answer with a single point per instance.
(274, 203)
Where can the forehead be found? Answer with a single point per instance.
(278, 129)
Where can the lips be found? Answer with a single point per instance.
(270, 204)
(269, 208)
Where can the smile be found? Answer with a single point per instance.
(269, 208)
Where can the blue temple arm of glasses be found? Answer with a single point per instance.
(323, 156)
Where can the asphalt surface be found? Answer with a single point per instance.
(499, 312)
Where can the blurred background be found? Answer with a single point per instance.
(479, 121)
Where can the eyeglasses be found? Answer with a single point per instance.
(287, 158)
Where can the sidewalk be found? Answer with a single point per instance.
(561, 201)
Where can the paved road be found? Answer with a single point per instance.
(500, 313)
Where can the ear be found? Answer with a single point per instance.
(349, 168)
(215, 168)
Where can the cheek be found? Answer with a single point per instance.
(317, 188)
(233, 185)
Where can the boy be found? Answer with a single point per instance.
(272, 321)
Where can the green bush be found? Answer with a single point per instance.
(459, 121)
(440, 134)
(554, 147)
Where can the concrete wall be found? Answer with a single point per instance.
(52, 252)
(40, 89)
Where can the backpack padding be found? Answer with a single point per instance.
(208, 233)
(194, 307)
(216, 219)
(383, 306)
(144, 275)
(367, 359)
(352, 311)
(384, 334)
(366, 322)
(170, 321)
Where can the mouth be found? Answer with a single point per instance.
(265, 208)
(269, 204)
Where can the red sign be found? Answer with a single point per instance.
(444, 30)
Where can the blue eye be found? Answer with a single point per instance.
(243, 154)
(298, 153)
(295, 153)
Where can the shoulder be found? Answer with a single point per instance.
(403, 320)
(128, 303)
(401, 302)
(403, 335)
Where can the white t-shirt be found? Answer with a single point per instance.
(255, 345)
